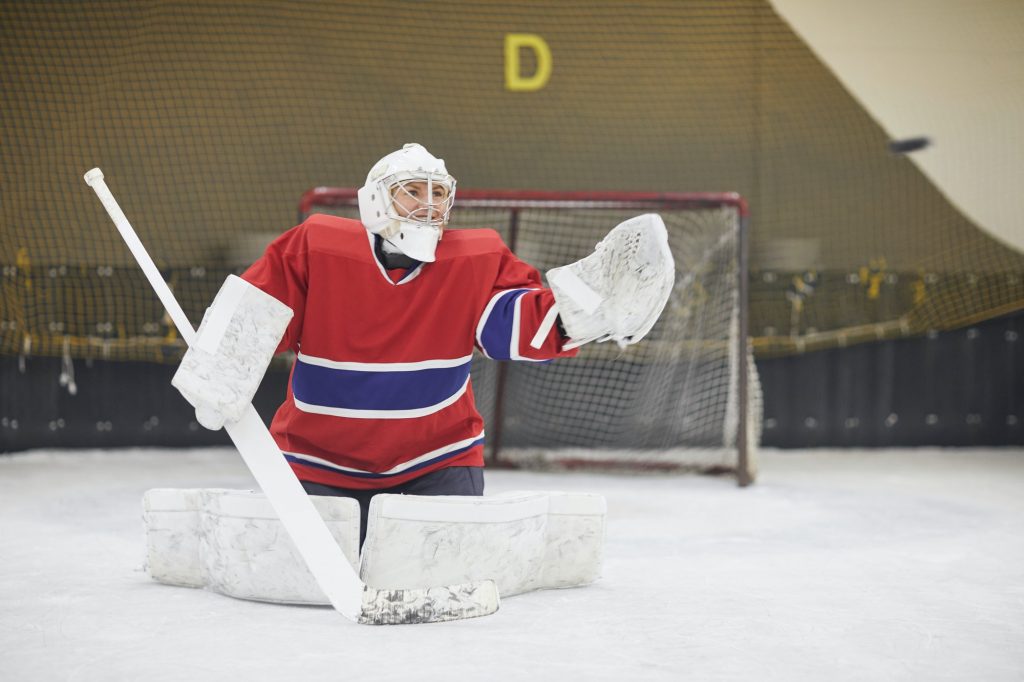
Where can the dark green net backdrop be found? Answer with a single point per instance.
(211, 119)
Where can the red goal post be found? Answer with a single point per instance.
(687, 397)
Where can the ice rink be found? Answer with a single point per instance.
(853, 565)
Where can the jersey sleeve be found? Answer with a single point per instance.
(519, 321)
(282, 272)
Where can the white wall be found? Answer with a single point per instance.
(949, 69)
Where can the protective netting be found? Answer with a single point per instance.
(675, 399)
(210, 118)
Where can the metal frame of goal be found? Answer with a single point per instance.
(685, 398)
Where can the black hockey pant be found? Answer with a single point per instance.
(447, 481)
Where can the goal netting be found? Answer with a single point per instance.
(686, 397)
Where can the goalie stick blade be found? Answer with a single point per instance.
(429, 605)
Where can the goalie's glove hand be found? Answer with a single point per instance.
(618, 292)
(225, 364)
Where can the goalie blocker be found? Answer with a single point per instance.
(223, 368)
(230, 541)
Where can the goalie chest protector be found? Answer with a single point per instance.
(379, 392)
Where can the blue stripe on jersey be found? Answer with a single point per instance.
(357, 473)
(496, 335)
(376, 390)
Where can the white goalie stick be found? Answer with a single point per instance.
(336, 577)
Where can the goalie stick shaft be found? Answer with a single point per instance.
(333, 573)
(303, 523)
(94, 179)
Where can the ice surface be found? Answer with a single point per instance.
(856, 565)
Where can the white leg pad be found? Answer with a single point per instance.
(171, 518)
(523, 541)
(232, 542)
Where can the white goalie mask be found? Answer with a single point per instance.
(407, 198)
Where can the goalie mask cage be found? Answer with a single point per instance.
(685, 398)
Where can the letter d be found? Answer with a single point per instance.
(514, 80)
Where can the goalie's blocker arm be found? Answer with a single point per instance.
(223, 368)
(617, 292)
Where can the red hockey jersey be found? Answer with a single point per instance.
(380, 391)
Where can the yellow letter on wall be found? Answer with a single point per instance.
(514, 80)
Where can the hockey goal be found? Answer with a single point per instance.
(686, 397)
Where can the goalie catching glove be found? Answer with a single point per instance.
(618, 292)
(224, 366)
